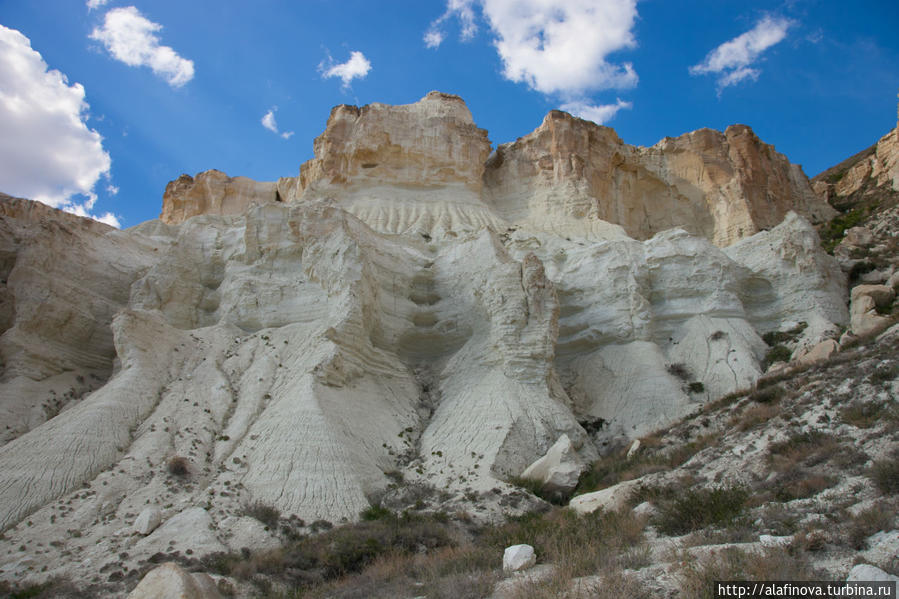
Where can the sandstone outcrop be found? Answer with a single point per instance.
(569, 173)
(214, 192)
(423, 168)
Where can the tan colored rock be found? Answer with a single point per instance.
(570, 173)
(881, 295)
(214, 192)
(820, 352)
(169, 581)
(859, 236)
(433, 142)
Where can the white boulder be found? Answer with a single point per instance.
(147, 521)
(169, 581)
(611, 499)
(558, 470)
(518, 557)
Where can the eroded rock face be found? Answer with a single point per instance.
(300, 354)
(423, 168)
(569, 174)
(214, 192)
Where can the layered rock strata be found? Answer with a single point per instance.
(306, 354)
(423, 168)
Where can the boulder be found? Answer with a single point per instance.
(558, 470)
(882, 295)
(169, 581)
(147, 521)
(518, 557)
(869, 573)
(859, 236)
(610, 499)
(820, 352)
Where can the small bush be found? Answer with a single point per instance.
(683, 510)
(267, 514)
(754, 416)
(375, 512)
(864, 524)
(885, 374)
(867, 414)
(697, 577)
(768, 395)
(885, 475)
(778, 353)
(178, 466)
(696, 387)
(808, 448)
(680, 371)
(800, 484)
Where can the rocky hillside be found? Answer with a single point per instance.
(411, 322)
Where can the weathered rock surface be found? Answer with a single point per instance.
(423, 168)
(171, 582)
(571, 173)
(214, 192)
(518, 557)
(384, 318)
(559, 469)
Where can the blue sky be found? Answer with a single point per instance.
(102, 102)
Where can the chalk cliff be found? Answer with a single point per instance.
(408, 306)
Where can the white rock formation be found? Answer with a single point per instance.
(147, 521)
(612, 498)
(869, 573)
(518, 557)
(385, 316)
(559, 469)
(171, 582)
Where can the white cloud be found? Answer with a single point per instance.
(597, 114)
(47, 152)
(130, 37)
(464, 11)
(731, 60)
(356, 66)
(557, 46)
(92, 4)
(268, 121)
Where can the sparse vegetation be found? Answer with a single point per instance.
(885, 475)
(697, 577)
(683, 508)
(178, 466)
(267, 514)
(778, 353)
(833, 232)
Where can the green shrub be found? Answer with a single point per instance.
(885, 475)
(266, 514)
(778, 353)
(683, 510)
(375, 512)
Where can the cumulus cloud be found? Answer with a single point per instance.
(92, 4)
(131, 38)
(356, 67)
(597, 114)
(461, 9)
(268, 121)
(732, 60)
(555, 46)
(47, 152)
